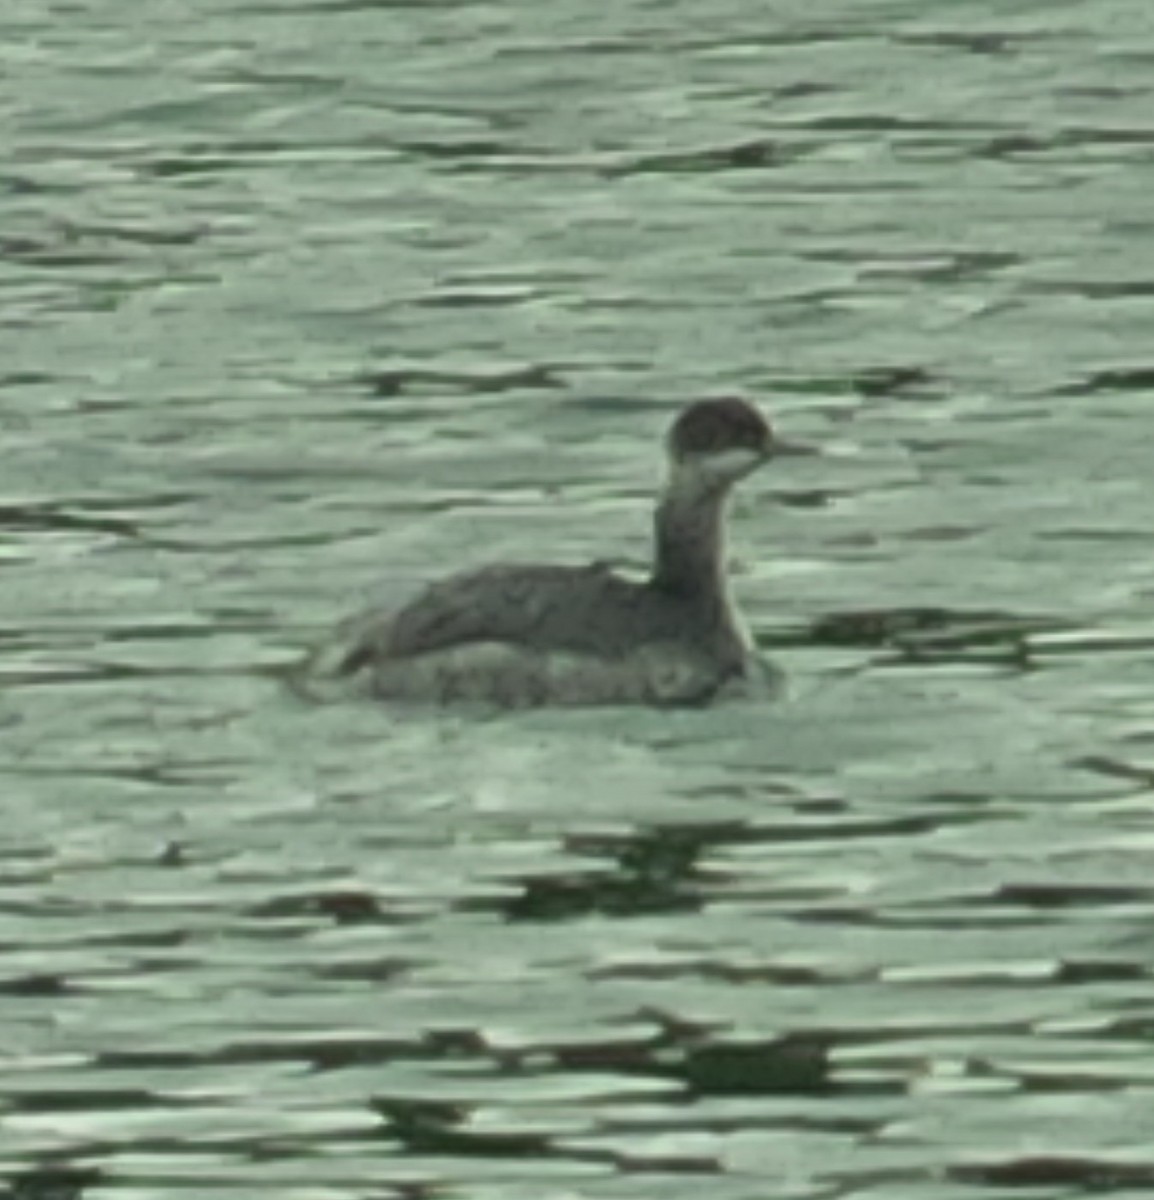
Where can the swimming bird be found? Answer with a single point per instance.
(517, 636)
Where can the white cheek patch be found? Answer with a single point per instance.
(726, 465)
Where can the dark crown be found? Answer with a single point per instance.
(710, 426)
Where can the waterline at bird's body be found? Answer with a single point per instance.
(528, 635)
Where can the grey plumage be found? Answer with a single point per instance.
(575, 610)
(520, 635)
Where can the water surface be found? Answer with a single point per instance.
(304, 303)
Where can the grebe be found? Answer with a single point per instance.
(520, 636)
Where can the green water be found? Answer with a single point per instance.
(303, 304)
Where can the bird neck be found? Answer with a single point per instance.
(689, 551)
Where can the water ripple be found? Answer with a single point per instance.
(309, 300)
